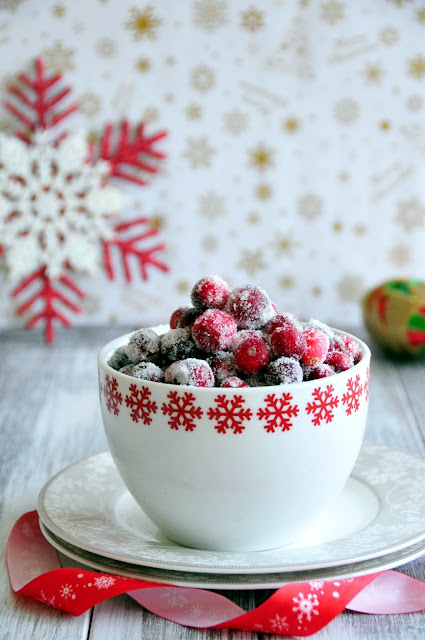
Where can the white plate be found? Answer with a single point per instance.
(381, 510)
(227, 580)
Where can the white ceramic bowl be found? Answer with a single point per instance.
(234, 469)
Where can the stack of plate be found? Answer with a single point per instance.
(377, 523)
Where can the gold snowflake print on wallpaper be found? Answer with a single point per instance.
(410, 214)
(210, 14)
(252, 20)
(211, 205)
(261, 157)
(251, 261)
(332, 11)
(203, 78)
(143, 23)
(198, 152)
(235, 122)
(59, 58)
(416, 66)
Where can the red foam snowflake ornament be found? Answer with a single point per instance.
(58, 205)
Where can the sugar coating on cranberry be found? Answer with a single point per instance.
(142, 344)
(288, 341)
(317, 324)
(210, 292)
(349, 345)
(339, 360)
(183, 317)
(119, 358)
(223, 365)
(214, 330)
(148, 371)
(242, 335)
(284, 370)
(191, 371)
(318, 371)
(127, 369)
(252, 355)
(234, 382)
(282, 320)
(250, 306)
(178, 344)
(317, 346)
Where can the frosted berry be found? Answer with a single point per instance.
(243, 335)
(119, 358)
(282, 320)
(317, 346)
(252, 355)
(183, 317)
(317, 324)
(143, 343)
(348, 344)
(283, 371)
(192, 372)
(214, 330)
(339, 360)
(148, 371)
(250, 306)
(318, 371)
(177, 344)
(223, 365)
(210, 292)
(288, 341)
(127, 369)
(234, 383)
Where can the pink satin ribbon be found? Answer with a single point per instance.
(296, 609)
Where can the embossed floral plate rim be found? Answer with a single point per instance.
(228, 580)
(78, 506)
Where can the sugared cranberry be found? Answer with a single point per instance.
(243, 335)
(177, 344)
(339, 360)
(223, 365)
(192, 371)
(250, 306)
(282, 320)
(210, 292)
(252, 354)
(288, 341)
(348, 344)
(234, 383)
(318, 371)
(148, 371)
(284, 371)
(317, 346)
(183, 317)
(143, 343)
(317, 324)
(214, 330)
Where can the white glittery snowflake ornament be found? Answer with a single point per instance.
(54, 206)
(58, 210)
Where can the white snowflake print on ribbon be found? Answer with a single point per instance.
(306, 606)
(54, 207)
(57, 206)
(104, 582)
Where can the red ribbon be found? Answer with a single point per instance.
(296, 609)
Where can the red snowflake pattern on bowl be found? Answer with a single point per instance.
(138, 400)
(278, 412)
(323, 405)
(229, 414)
(181, 410)
(351, 398)
(366, 385)
(113, 397)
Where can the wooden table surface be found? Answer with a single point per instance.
(49, 418)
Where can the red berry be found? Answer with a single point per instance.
(252, 354)
(193, 372)
(210, 292)
(234, 383)
(223, 365)
(183, 317)
(339, 360)
(288, 341)
(317, 345)
(348, 344)
(318, 371)
(214, 330)
(284, 371)
(282, 320)
(250, 306)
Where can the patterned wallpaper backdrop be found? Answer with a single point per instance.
(296, 144)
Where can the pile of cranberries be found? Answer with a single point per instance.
(235, 338)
